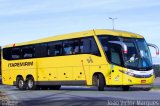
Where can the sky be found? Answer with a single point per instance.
(25, 20)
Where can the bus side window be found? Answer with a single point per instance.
(41, 50)
(89, 46)
(85, 46)
(28, 52)
(55, 48)
(76, 47)
(70, 47)
(93, 47)
(16, 53)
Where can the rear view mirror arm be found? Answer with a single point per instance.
(123, 45)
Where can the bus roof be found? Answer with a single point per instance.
(80, 34)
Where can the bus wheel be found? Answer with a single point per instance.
(20, 83)
(99, 81)
(55, 87)
(30, 83)
(125, 88)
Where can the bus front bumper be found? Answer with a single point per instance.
(131, 80)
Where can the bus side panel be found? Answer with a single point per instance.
(97, 65)
(65, 73)
(63, 68)
(7, 75)
(106, 70)
(12, 69)
(78, 73)
(100, 69)
(47, 74)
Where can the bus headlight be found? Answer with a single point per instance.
(126, 72)
(136, 75)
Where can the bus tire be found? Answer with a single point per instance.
(100, 82)
(125, 88)
(20, 83)
(30, 83)
(55, 87)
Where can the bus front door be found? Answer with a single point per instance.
(116, 60)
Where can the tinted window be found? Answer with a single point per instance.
(76, 47)
(7, 53)
(70, 47)
(84, 45)
(28, 52)
(16, 53)
(55, 48)
(112, 51)
(88, 45)
(114, 54)
(104, 41)
(41, 50)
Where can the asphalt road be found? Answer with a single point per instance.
(77, 96)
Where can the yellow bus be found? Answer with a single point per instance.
(90, 58)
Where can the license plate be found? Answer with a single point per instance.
(143, 81)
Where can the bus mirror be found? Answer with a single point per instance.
(123, 45)
(154, 46)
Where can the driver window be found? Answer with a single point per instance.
(115, 55)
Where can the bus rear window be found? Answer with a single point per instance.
(7, 53)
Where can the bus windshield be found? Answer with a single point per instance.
(138, 56)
